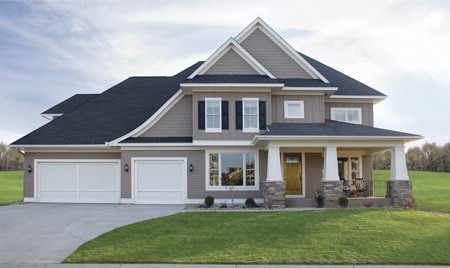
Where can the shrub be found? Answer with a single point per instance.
(343, 201)
(250, 202)
(209, 201)
(410, 204)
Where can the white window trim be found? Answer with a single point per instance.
(250, 130)
(359, 110)
(286, 110)
(208, 187)
(213, 130)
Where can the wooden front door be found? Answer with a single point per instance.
(293, 173)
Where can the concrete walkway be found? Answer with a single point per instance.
(48, 233)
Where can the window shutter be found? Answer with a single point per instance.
(262, 115)
(201, 114)
(238, 114)
(224, 114)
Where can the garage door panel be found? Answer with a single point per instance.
(58, 176)
(98, 176)
(78, 181)
(159, 181)
(159, 175)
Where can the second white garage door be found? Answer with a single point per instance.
(159, 180)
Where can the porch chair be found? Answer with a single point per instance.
(361, 187)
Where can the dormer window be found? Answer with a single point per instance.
(213, 108)
(348, 115)
(250, 115)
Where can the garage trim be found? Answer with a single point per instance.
(134, 161)
(36, 174)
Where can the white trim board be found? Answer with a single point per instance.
(228, 85)
(50, 116)
(231, 44)
(258, 23)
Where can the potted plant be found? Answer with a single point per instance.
(318, 196)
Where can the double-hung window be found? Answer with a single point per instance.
(232, 169)
(349, 115)
(250, 114)
(213, 108)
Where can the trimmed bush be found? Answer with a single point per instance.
(250, 202)
(343, 201)
(209, 201)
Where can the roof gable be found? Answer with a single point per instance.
(231, 44)
(259, 29)
(231, 64)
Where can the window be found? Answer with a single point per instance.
(232, 169)
(294, 109)
(213, 115)
(250, 115)
(349, 115)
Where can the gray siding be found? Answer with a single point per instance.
(367, 166)
(28, 178)
(366, 110)
(177, 122)
(196, 179)
(231, 97)
(313, 173)
(314, 109)
(231, 63)
(271, 56)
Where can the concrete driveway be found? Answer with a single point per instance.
(48, 233)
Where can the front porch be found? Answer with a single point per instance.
(295, 169)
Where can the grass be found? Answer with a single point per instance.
(343, 236)
(430, 189)
(11, 187)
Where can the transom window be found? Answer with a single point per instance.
(250, 115)
(232, 170)
(213, 115)
(349, 115)
(294, 109)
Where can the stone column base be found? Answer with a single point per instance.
(332, 190)
(401, 193)
(274, 194)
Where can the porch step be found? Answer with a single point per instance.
(300, 202)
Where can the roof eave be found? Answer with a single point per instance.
(338, 138)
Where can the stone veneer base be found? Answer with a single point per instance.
(274, 194)
(332, 190)
(400, 192)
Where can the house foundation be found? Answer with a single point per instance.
(274, 194)
(332, 190)
(400, 192)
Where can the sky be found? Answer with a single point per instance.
(51, 50)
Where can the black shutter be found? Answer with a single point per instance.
(224, 114)
(262, 115)
(238, 114)
(201, 114)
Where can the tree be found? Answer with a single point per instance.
(10, 159)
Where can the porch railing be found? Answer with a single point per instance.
(366, 188)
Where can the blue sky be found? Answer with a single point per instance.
(52, 50)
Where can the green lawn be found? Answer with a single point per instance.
(343, 236)
(430, 189)
(11, 187)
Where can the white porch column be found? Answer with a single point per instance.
(274, 164)
(330, 166)
(399, 171)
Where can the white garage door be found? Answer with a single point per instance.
(78, 181)
(159, 180)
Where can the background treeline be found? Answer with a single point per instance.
(428, 157)
(10, 159)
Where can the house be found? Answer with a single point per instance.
(257, 115)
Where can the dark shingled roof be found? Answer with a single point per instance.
(158, 140)
(110, 115)
(346, 85)
(70, 104)
(331, 128)
(255, 79)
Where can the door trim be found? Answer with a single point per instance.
(134, 161)
(302, 154)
